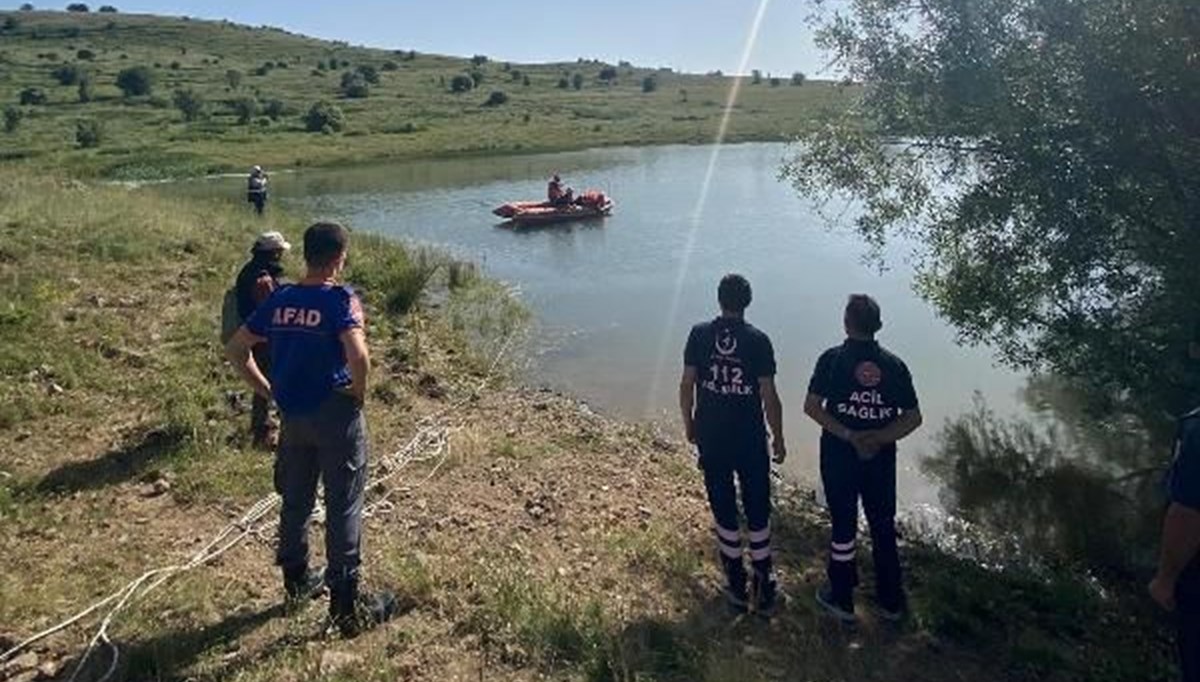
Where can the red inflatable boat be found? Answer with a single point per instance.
(591, 204)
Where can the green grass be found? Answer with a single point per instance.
(410, 113)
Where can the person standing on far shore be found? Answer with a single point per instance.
(863, 398)
(256, 189)
(727, 398)
(1176, 585)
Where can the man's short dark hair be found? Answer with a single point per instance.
(324, 243)
(734, 293)
(862, 314)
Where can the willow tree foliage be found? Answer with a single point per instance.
(1045, 154)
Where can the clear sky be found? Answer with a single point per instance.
(689, 35)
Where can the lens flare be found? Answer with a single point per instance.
(689, 246)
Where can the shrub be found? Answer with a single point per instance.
(497, 98)
(515, 75)
(234, 78)
(322, 66)
(108, 9)
(175, 66)
(756, 77)
(85, 55)
(324, 117)
(12, 118)
(390, 65)
(67, 74)
(775, 82)
(525, 81)
(263, 70)
(136, 81)
(412, 55)
(89, 133)
(32, 97)
(476, 77)
(10, 24)
(274, 109)
(77, 7)
(190, 103)
(369, 73)
(85, 89)
(799, 78)
(462, 83)
(245, 108)
(608, 74)
(564, 83)
(479, 60)
(649, 84)
(577, 81)
(354, 85)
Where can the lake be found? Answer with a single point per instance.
(614, 298)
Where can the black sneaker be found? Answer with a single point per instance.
(304, 586)
(767, 597)
(737, 599)
(363, 613)
(844, 612)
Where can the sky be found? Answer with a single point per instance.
(688, 35)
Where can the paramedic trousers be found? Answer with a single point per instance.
(1187, 597)
(327, 445)
(846, 479)
(749, 464)
(260, 407)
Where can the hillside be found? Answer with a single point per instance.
(529, 537)
(411, 111)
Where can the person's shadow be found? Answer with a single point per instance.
(124, 463)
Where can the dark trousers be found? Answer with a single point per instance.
(329, 445)
(260, 407)
(1188, 622)
(259, 199)
(846, 479)
(748, 466)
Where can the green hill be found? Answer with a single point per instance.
(409, 112)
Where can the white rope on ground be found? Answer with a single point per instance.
(431, 443)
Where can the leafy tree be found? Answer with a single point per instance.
(324, 117)
(10, 24)
(608, 74)
(108, 9)
(136, 81)
(649, 84)
(67, 74)
(86, 93)
(775, 82)
(525, 80)
(234, 78)
(497, 98)
(354, 85)
(756, 77)
(683, 95)
(27, 7)
(798, 78)
(462, 83)
(189, 103)
(564, 83)
(369, 74)
(12, 118)
(89, 133)
(577, 80)
(77, 7)
(245, 108)
(1068, 235)
(479, 60)
(32, 97)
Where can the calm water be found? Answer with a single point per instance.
(604, 291)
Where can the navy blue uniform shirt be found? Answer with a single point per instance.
(864, 386)
(1183, 488)
(730, 356)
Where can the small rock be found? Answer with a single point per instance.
(26, 661)
(49, 670)
(333, 662)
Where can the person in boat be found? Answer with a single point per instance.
(557, 195)
(1176, 584)
(256, 189)
(727, 397)
(862, 396)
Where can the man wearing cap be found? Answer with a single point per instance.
(256, 190)
(1176, 586)
(257, 280)
(863, 398)
(555, 193)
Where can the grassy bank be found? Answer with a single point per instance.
(410, 112)
(548, 542)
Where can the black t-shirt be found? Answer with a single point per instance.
(1183, 488)
(730, 356)
(247, 296)
(864, 386)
